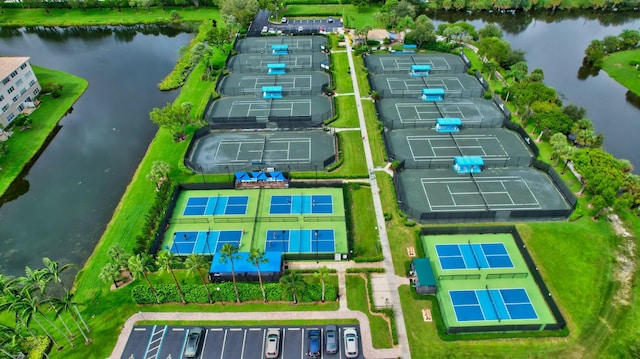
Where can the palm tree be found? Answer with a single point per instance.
(322, 273)
(139, 268)
(53, 270)
(165, 262)
(67, 299)
(195, 262)
(66, 304)
(30, 308)
(159, 173)
(256, 257)
(8, 340)
(229, 253)
(110, 273)
(292, 283)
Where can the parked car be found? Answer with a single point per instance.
(350, 343)
(300, 29)
(314, 343)
(264, 30)
(272, 348)
(321, 28)
(194, 337)
(272, 30)
(284, 20)
(331, 339)
(330, 19)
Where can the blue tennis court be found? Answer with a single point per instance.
(205, 242)
(304, 240)
(473, 255)
(302, 204)
(492, 304)
(216, 206)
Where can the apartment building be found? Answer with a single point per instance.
(18, 89)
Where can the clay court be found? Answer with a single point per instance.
(426, 148)
(496, 194)
(401, 63)
(228, 152)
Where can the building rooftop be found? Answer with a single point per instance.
(8, 64)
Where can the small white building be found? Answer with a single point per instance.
(18, 88)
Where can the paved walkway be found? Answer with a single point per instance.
(394, 297)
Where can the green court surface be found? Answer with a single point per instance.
(294, 62)
(414, 113)
(483, 280)
(313, 109)
(311, 218)
(427, 148)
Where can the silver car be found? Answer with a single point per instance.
(194, 337)
(331, 339)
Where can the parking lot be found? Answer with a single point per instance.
(163, 341)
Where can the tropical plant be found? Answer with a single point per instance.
(67, 305)
(229, 253)
(292, 283)
(196, 262)
(110, 273)
(165, 261)
(322, 273)
(159, 173)
(139, 268)
(256, 257)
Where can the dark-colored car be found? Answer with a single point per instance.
(194, 337)
(331, 339)
(314, 343)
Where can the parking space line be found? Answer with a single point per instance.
(235, 329)
(224, 342)
(139, 329)
(244, 340)
(254, 329)
(177, 329)
(204, 343)
(217, 329)
(302, 342)
(264, 341)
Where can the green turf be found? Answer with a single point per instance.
(618, 67)
(446, 279)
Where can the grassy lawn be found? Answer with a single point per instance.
(380, 334)
(617, 66)
(24, 145)
(364, 227)
(347, 118)
(341, 74)
(361, 76)
(375, 137)
(76, 17)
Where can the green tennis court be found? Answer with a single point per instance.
(294, 43)
(204, 220)
(401, 63)
(298, 83)
(483, 281)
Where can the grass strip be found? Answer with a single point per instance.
(25, 145)
(617, 65)
(358, 300)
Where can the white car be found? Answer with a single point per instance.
(264, 30)
(272, 347)
(284, 20)
(350, 343)
(300, 29)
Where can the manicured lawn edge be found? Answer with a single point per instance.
(24, 145)
(357, 300)
(617, 66)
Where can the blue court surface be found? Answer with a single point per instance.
(301, 204)
(475, 255)
(304, 240)
(206, 242)
(216, 206)
(492, 304)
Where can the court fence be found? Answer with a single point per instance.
(505, 215)
(533, 269)
(378, 68)
(505, 111)
(481, 80)
(416, 94)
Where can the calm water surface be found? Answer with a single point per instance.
(62, 204)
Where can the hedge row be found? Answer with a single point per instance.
(168, 293)
(153, 218)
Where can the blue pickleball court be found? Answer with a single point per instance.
(492, 304)
(473, 255)
(203, 242)
(216, 206)
(301, 204)
(300, 241)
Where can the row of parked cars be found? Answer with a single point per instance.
(331, 342)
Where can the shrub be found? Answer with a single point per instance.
(487, 95)
(387, 216)
(52, 88)
(175, 16)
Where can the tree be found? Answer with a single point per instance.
(53, 270)
(65, 305)
(30, 305)
(574, 112)
(119, 256)
(196, 262)
(175, 118)
(139, 268)
(490, 30)
(292, 283)
(218, 36)
(630, 39)
(159, 173)
(423, 31)
(256, 257)
(518, 71)
(322, 273)
(110, 273)
(243, 10)
(229, 253)
(165, 262)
